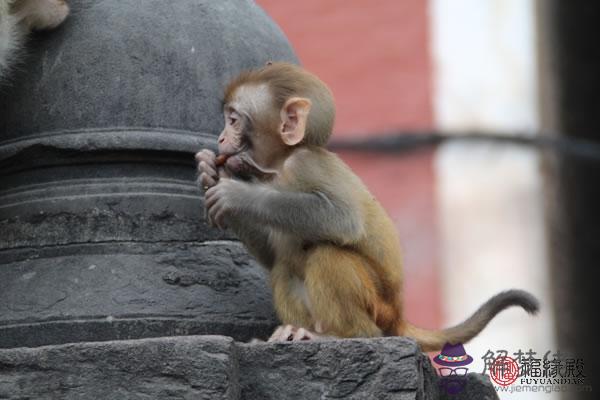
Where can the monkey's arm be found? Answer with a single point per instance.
(312, 216)
(256, 239)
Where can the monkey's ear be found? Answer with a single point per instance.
(294, 115)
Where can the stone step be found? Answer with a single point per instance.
(217, 367)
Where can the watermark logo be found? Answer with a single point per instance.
(504, 371)
(452, 369)
(519, 372)
(527, 372)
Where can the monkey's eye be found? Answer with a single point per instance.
(233, 118)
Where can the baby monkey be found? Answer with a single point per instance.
(332, 252)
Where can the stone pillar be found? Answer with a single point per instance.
(570, 99)
(102, 232)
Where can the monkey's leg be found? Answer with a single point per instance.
(289, 298)
(341, 292)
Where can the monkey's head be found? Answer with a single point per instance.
(271, 110)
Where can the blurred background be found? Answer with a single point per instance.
(474, 218)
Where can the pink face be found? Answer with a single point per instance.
(250, 132)
(231, 139)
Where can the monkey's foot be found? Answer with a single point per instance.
(291, 333)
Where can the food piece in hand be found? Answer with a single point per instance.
(221, 160)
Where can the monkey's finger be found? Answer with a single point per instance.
(206, 161)
(204, 167)
(275, 336)
(207, 218)
(218, 220)
(205, 155)
(215, 214)
(206, 181)
(288, 333)
(283, 333)
(211, 211)
(302, 334)
(203, 162)
(210, 197)
(220, 217)
(211, 192)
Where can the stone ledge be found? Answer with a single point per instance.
(217, 367)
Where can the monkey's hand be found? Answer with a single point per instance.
(207, 169)
(225, 200)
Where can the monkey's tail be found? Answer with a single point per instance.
(434, 340)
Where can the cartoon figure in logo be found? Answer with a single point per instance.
(453, 374)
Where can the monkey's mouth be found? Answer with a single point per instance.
(222, 158)
(243, 166)
(243, 148)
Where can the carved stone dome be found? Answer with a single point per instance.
(102, 232)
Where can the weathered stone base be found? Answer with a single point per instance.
(216, 367)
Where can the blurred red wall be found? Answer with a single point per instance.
(375, 58)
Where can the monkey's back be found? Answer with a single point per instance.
(380, 246)
(320, 170)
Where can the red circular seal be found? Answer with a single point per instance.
(504, 371)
